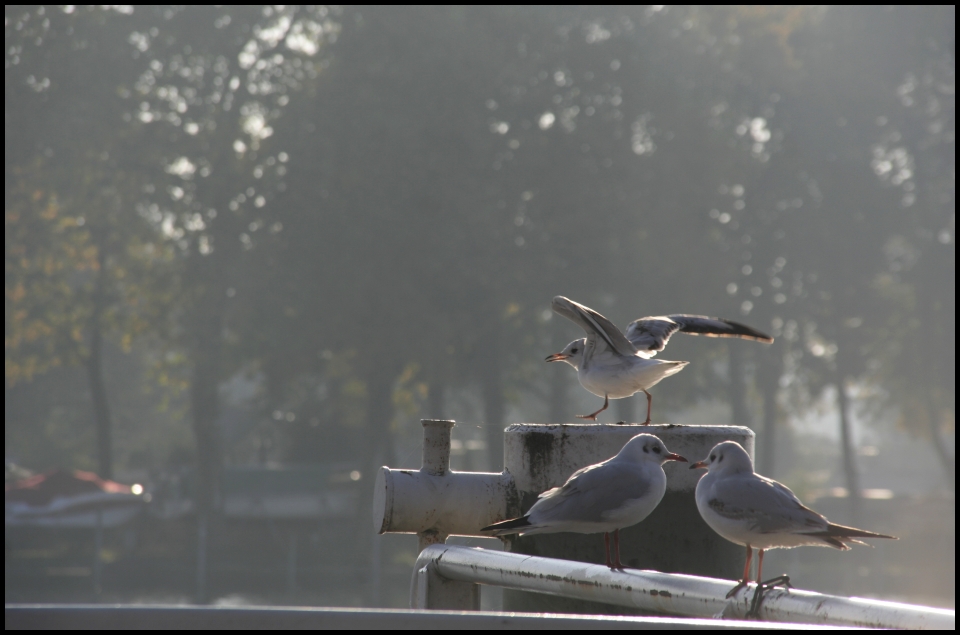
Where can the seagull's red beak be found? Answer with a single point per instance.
(556, 357)
(698, 464)
(676, 457)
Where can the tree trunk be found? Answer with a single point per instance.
(94, 364)
(204, 402)
(101, 406)
(206, 351)
(938, 337)
(947, 462)
(739, 415)
(489, 365)
(380, 413)
(847, 448)
(380, 381)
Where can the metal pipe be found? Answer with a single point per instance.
(457, 503)
(436, 446)
(674, 594)
(435, 502)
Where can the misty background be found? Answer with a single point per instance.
(248, 248)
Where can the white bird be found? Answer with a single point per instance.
(614, 366)
(758, 512)
(605, 497)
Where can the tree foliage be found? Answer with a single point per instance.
(362, 208)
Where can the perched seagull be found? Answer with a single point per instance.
(605, 497)
(755, 511)
(614, 366)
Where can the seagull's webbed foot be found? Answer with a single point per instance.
(617, 565)
(593, 416)
(761, 590)
(732, 592)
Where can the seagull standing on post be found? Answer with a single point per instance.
(615, 366)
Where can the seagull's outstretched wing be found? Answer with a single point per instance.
(598, 328)
(651, 334)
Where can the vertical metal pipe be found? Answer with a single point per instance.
(436, 446)
(849, 450)
(436, 462)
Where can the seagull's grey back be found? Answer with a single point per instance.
(594, 492)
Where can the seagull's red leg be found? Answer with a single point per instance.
(764, 586)
(746, 574)
(649, 405)
(593, 417)
(606, 548)
(616, 545)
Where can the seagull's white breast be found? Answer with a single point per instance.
(619, 377)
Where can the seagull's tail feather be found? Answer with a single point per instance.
(839, 535)
(513, 526)
(675, 367)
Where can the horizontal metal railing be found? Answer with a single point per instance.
(448, 577)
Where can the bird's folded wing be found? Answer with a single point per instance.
(595, 325)
(651, 334)
(592, 492)
(764, 506)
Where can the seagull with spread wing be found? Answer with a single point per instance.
(615, 366)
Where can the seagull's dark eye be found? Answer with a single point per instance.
(713, 457)
(657, 450)
(721, 459)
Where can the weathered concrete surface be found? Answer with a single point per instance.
(673, 539)
(541, 456)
